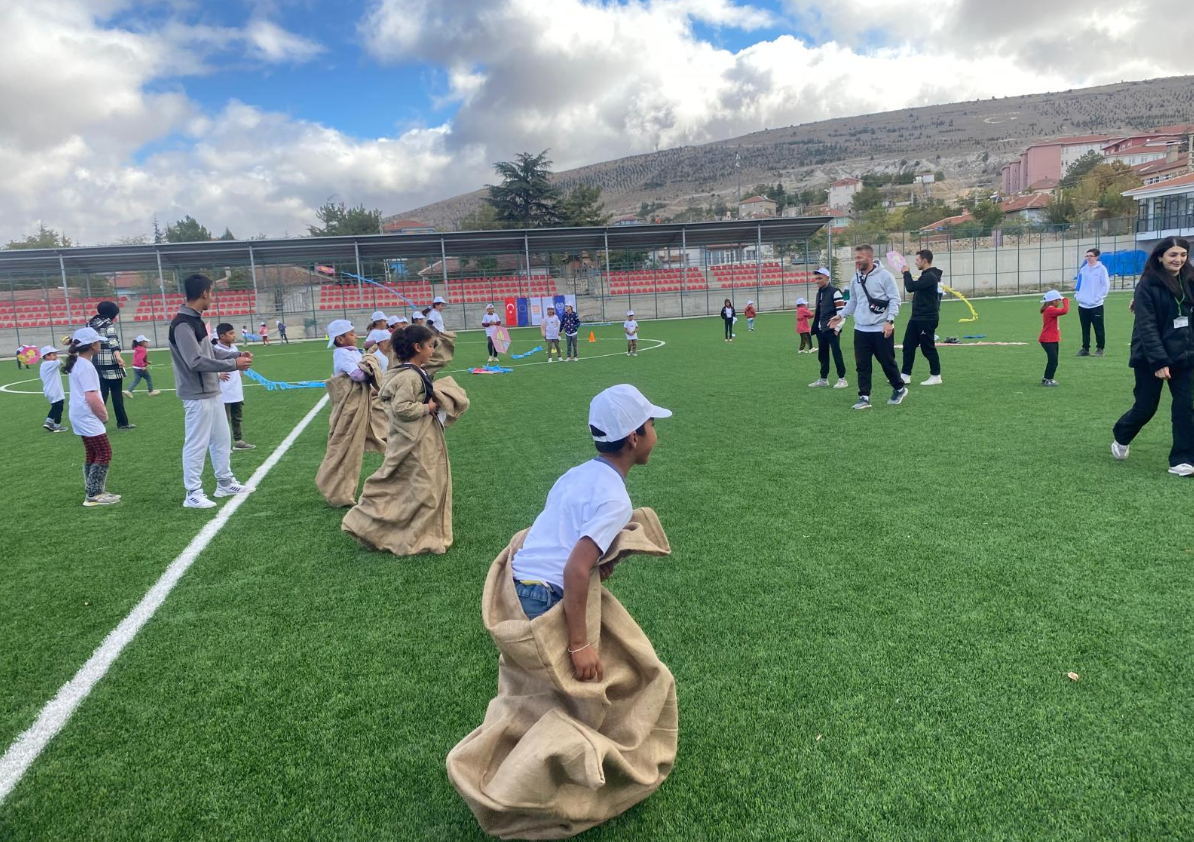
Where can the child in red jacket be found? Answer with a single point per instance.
(1053, 307)
(750, 315)
(804, 326)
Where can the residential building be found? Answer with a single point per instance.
(756, 207)
(1178, 160)
(841, 192)
(1027, 209)
(1045, 185)
(1165, 209)
(948, 222)
(1049, 159)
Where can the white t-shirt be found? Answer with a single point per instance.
(83, 379)
(590, 501)
(51, 380)
(551, 327)
(346, 360)
(491, 321)
(378, 336)
(631, 328)
(435, 319)
(232, 389)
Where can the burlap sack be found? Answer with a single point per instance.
(556, 756)
(357, 423)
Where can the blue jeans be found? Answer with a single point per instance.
(140, 374)
(537, 599)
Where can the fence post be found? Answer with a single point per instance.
(683, 267)
(606, 282)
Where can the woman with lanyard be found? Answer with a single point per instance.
(1163, 351)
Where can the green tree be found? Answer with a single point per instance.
(159, 236)
(45, 238)
(781, 197)
(341, 221)
(1078, 170)
(1061, 211)
(483, 218)
(1099, 195)
(187, 230)
(526, 197)
(987, 214)
(814, 196)
(227, 235)
(583, 206)
(939, 175)
(866, 198)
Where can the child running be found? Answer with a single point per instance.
(631, 328)
(51, 387)
(346, 356)
(377, 325)
(551, 332)
(571, 326)
(88, 414)
(803, 326)
(232, 389)
(490, 321)
(1053, 307)
(750, 315)
(141, 367)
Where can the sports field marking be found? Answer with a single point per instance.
(58, 711)
(659, 343)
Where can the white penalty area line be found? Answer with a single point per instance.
(58, 711)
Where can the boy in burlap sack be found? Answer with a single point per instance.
(584, 724)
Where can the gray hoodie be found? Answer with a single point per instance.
(881, 285)
(197, 363)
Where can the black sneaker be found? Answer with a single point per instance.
(1099, 352)
(126, 427)
(897, 396)
(1083, 353)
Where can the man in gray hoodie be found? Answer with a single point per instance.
(874, 303)
(197, 366)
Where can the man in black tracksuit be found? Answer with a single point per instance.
(829, 302)
(926, 312)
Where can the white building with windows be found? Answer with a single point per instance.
(1165, 209)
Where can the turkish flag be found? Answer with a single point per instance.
(511, 318)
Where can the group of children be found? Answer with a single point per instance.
(551, 328)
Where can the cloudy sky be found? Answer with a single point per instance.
(251, 114)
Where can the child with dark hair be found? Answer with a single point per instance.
(232, 389)
(51, 387)
(108, 361)
(406, 505)
(141, 367)
(1053, 306)
(88, 414)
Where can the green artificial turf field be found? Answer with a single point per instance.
(870, 615)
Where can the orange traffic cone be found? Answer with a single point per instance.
(592, 338)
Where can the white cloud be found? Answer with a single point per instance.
(275, 45)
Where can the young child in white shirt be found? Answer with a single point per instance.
(346, 358)
(88, 415)
(490, 322)
(379, 340)
(232, 389)
(51, 387)
(378, 322)
(631, 328)
(551, 333)
(585, 510)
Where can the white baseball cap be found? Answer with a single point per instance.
(47, 349)
(800, 301)
(749, 302)
(402, 320)
(338, 328)
(378, 315)
(825, 272)
(488, 306)
(141, 337)
(393, 320)
(1051, 295)
(378, 335)
(417, 314)
(620, 410)
(86, 336)
(438, 300)
(629, 313)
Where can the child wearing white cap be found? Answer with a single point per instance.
(141, 367)
(51, 387)
(631, 328)
(804, 328)
(435, 318)
(88, 414)
(550, 328)
(585, 510)
(377, 322)
(379, 340)
(1053, 306)
(490, 321)
(750, 314)
(346, 358)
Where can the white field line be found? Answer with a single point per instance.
(57, 712)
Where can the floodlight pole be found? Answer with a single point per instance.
(360, 284)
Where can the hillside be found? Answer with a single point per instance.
(968, 140)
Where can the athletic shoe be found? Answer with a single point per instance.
(102, 499)
(550, 360)
(1099, 352)
(128, 394)
(821, 382)
(231, 489)
(155, 393)
(1119, 451)
(49, 426)
(1185, 469)
(907, 378)
(863, 403)
(58, 428)
(935, 380)
(244, 445)
(897, 396)
(1083, 353)
(1049, 383)
(841, 383)
(127, 427)
(635, 354)
(198, 500)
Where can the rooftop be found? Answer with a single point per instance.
(1181, 184)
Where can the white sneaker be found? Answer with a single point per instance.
(101, 499)
(907, 378)
(128, 394)
(198, 500)
(821, 382)
(841, 383)
(550, 360)
(1119, 451)
(1185, 469)
(863, 403)
(232, 488)
(935, 380)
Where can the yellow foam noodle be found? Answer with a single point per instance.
(958, 295)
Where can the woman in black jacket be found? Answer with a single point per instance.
(728, 313)
(1163, 350)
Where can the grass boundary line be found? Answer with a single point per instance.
(54, 716)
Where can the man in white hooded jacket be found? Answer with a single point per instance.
(874, 303)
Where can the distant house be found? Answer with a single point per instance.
(1049, 159)
(1166, 209)
(1030, 208)
(756, 207)
(1045, 185)
(925, 178)
(406, 226)
(948, 222)
(1175, 163)
(841, 192)
(627, 220)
